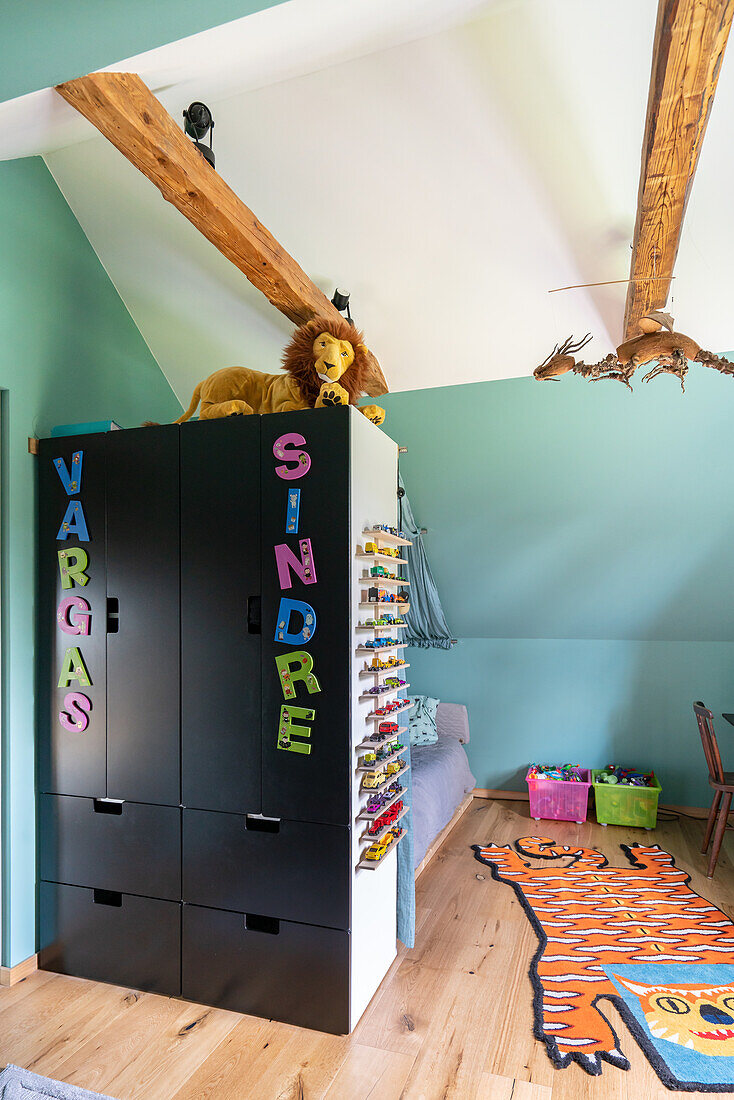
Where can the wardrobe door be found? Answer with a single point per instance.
(220, 614)
(306, 559)
(71, 619)
(143, 609)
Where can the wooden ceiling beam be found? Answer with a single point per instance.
(690, 39)
(124, 109)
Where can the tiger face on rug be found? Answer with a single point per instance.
(637, 935)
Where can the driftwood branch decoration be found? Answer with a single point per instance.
(668, 351)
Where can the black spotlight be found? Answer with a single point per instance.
(341, 301)
(198, 122)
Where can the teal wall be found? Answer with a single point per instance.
(46, 42)
(69, 352)
(582, 539)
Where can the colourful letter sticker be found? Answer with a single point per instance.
(305, 633)
(72, 481)
(286, 560)
(288, 729)
(75, 718)
(81, 623)
(291, 517)
(289, 676)
(73, 668)
(286, 447)
(73, 523)
(72, 563)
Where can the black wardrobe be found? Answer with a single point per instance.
(181, 849)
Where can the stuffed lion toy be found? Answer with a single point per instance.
(326, 363)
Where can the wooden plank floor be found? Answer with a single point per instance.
(452, 1019)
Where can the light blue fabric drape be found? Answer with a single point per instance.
(427, 625)
(427, 628)
(406, 872)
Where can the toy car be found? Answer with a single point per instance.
(369, 758)
(393, 768)
(377, 850)
(370, 548)
(372, 780)
(388, 727)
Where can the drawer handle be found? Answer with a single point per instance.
(108, 805)
(108, 897)
(113, 615)
(254, 615)
(259, 824)
(255, 923)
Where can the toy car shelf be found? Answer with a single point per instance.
(367, 745)
(365, 816)
(373, 864)
(388, 778)
(385, 536)
(383, 694)
(376, 836)
(382, 603)
(381, 649)
(381, 763)
(388, 717)
(383, 626)
(380, 558)
(383, 671)
(378, 582)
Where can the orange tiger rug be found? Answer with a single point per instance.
(637, 936)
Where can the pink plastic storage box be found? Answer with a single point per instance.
(558, 800)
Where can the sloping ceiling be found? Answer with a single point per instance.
(447, 162)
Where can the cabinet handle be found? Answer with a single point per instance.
(259, 824)
(108, 897)
(113, 614)
(108, 805)
(254, 615)
(255, 923)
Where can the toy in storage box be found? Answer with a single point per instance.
(558, 799)
(620, 804)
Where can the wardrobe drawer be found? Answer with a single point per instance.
(125, 846)
(293, 870)
(296, 973)
(109, 937)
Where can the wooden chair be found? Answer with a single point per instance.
(721, 781)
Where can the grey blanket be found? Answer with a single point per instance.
(441, 778)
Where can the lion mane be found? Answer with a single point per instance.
(298, 359)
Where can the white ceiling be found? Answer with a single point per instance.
(447, 161)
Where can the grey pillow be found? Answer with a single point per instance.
(452, 721)
(422, 722)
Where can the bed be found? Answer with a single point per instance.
(441, 778)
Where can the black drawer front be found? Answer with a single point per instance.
(120, 938)
(298, 974)
(299, 872)
(86, 842)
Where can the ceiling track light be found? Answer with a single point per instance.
(341, 302)
(198, 122)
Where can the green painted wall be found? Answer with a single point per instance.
(582, 538)
(69, 352)
(46, 42)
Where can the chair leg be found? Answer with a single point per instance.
(719, 834)
(710, 823)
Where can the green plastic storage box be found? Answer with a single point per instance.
(619, 804)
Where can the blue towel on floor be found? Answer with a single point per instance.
(406, 870)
